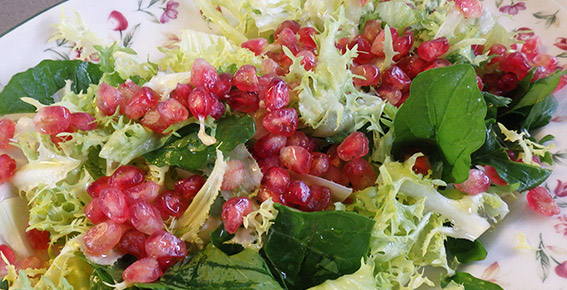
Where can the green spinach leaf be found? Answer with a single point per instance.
(220, 236)
(470, 282)
(308, 248)
(446, 108)
(540, 114)
(44, 80)
(539, 90)
(190, 153)
(495, 100)
(466, 251)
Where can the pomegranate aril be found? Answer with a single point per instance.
(113, 204)
(319, 199)
(269, 144)
(93, 212)
(145, 217)
(371, 29)
(172, 111)
(264, 193)
(154, 121)
(141, 103)
(52, 120)
(190, 186)
(233, 175)
(515, 63)
(233, 212)
(276, 95)
(222, 86)
(312, 145)
(297, 159)
(307, 59)
(422, 165)
(390, 94)
(298, 193)
(335, 174)
(477, 49)
(354, 146)
(334, 158)
(256, 45)
(470, 8)
(128, 89)
(181, 93)
(437, 63)
(7, 130)
(396, 78)
(203, 74)
(8, 168)
(147, 191)
(432, 49)
(245, 102)
(298, 139)
(126, 176)
(31, 262)
(83, 121)
(166, 248)
(145, 270)
(541, 201)
(39, 240)
(10, 256)
(479, 83)
(371, 75)
(402, 45)
(306, 35)
(103, 237)
(508, 82)
(477, 182)
(246, 78)
(341, 44)
(217, 109)
(493, 175)
(286, 37)
(266, 163)
(360, 173)
(269, 66)
(171, 204)
(321, 164)
(531, 47)
(276, 179)
(133, 242)
(294, 26)
(200, 102)
(109, 98)
(363, 47)
(281, 121)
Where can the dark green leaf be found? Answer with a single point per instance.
(540, 114)
(218, 239)
(466, 251)
(470, 282)
(496, 101)
(494, 154)
(309, 248)
(445, 108)
(44, 80)
(212, 269)
(539, 90)
(190, 153)
(95, 165)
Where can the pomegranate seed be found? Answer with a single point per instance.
(354, 146)
(181, 93)
(147, 191)
(113, 204)
(256, 45)
(402, 45)
(222, 86)
(266, 163)
(170, 203)
(432, 49)
(264, 193)
(499, 51)
(306, 37)
(298, 139)
(10, 256)
(561, 270)
(190, 186)
(109, 98)
(437, 63)
(371, 75)
(363, 47)
(282, 121)
(477, 182)
(360, 173)
(286, 37)
(133, 242)
(276, 95)
(298, 194)
(294, 26)
(312, 145)
(128, 89)
(154, 121)
(52, 120)
(296, 158)
(477, 49)
(493, 175)
(336, 175)
(172, 111)
(233, 175)
(7, 130)
(371, 29)
(377, 48)
(246, 78)
(341, 44)
(93, 212)
(541, 201)
(145, 217)
(145, 270)
(217, 109)
(515, 63)
(479, 83)
(508, 82)
(83, 121)
(166, 248)
(269, 66)
(200, 102)
(8, 168)
(390, 94)
(396, 78)
(276, 179)
(307, 59)
(269, 144)
(139, 104)
(422, 165)
(31, 262)
(321, 164)
(233, 212)
(126, 176)
(319, 199)
(203, 74)
(334, 158)
(39, 240)
(103, 237)
(470, 8)
(531, 47)
(245, 102)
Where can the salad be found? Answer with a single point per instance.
(309, 144)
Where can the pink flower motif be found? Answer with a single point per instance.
(118, 21)
(561, 189)
(513, 9)
(561, 42)
(170, 11)
(561, 228)
(561, 270)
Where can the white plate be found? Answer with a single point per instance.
(506, 264)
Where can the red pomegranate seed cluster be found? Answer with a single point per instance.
(128, 214)
(22, 263)
(8, 168)
(53, 120)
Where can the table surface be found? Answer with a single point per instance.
(14, 12)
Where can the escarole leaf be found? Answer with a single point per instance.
(212, 269)
(44, 80)
(302, 247)
(190, 153)
(446, 108)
